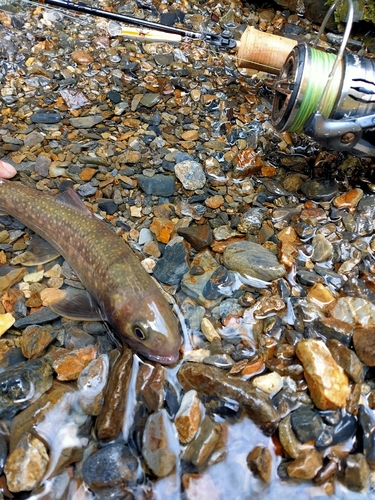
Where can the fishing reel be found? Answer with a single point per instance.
(329, 97)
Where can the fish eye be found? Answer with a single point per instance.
(139, 333)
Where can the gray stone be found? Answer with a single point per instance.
(174, 263)
(86, 121)
(252, 260)
(190, 174)
(158, 185)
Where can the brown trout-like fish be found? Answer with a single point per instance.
(119, 290)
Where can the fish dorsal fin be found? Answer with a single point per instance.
(77, 304)
(70, 198)
(38, 252)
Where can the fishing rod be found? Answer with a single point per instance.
(152, 30)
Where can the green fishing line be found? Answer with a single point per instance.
(315, 79)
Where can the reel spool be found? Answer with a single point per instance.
(329, 97)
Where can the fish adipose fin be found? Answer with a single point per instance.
(71, 199)
(79, 305)
(38, 252)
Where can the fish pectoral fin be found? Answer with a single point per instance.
(77, 304)
(71, 199)
(39, 251)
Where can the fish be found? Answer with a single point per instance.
(118, 291)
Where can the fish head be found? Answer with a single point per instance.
(149, 327)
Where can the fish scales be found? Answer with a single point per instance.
(110, 271)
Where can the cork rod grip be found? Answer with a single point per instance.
(263, 51)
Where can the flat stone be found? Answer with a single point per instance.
(321, 296)
(86, 121)
(162, 229)
(259, 461)
(189, 416)
(160, 447)
(306, 465)
(92, 383)
(82, 57)
(27, 464)
(322, 248)
(328, 384)
(157, 185)
(251, 259)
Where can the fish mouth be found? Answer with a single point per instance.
(164, 360)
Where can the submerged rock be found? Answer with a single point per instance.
(252, 260)
(160, 446)
(212, 381)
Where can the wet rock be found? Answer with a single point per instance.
(22, 384)
(259, 461)
(91, 384)
(252, 220)
(322, 248)
(350, 199)
(355, 311)
(174, 263)
(212, 381)
(153, 392)
(69, 366)
(319, 189)
(364, 344)
(6, 322)
(307, 424)
(35, 339)
(110, 420)
(188, 417)
(209, 331)
(110, 466)
(199, 237)
(199, 450)
(246, 163)
(3, 451)
(160, 447)
(193, 284)
(291, 445)
(251, 259)
(27, 464)
(321, 296)
(190, 174)
(157, 185)
(270, 383)
(332, 328)
(328, 384)
(347, 359)
(356, 472)
(306, 465)
(221, 284)
(367, 424)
